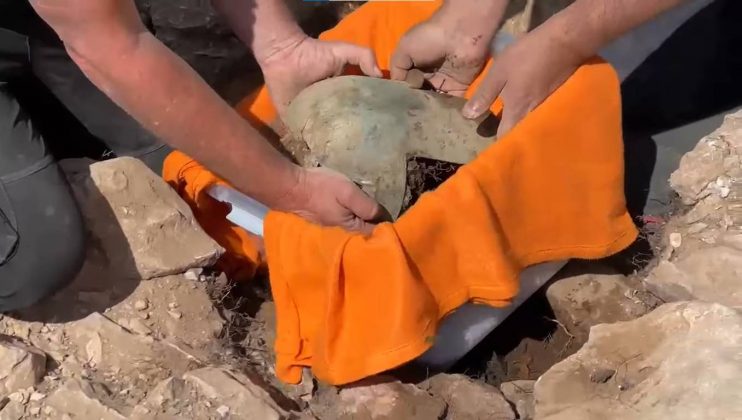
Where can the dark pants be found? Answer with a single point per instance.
(42, 242)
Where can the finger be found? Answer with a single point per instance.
(485, 95)
(359, 56)
(360, 204)
(512, 113)
(365, 228)
(444, 83)
(401, 63)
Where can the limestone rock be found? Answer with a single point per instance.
(469, 400)
(136, 222)
(77, 399)
(243, 397)
(98, 342)
(199, 322)
(376, 399)
(583, 300)
(712, 274)
(711, 167)
(21, 366)
(680, 361)
(520, 395)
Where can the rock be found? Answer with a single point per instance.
(242, 396)
(580, 301)
(709, 167)
(520, 395)
(141, 305)
(680, 361)
(13, 411)
(77, 399)
(222, 410)
(378, 398)
(36, 396)
(97, 341)
(136, 221)
(467, 399)
(21, 366)
(711, 274)
(195, 323)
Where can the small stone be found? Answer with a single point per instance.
(138, 326)
(34, 411)
(602, 375)
(223, 410)
(37, 396)
(676, 240)
(144, 315)
(141, 305)
(193, 274)
(175, 314)
(44, 329)
(48, 410)
(172, 305)
(21, 366)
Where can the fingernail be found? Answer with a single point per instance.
(471, 110)
(378, 72)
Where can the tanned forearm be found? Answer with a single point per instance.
(109, 43)
(588, 25)
(478, 18)
(265, 26)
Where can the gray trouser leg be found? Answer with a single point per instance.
(41, 232)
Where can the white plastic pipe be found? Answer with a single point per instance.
(458, 333)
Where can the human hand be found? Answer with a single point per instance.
(449, 59)
(329, 198)
(309, 60)
(523, 75)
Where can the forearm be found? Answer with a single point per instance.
(587, 25)
(479, 19)
(168, 98)
(111, 46)
(265, 26)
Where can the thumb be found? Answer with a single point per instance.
(488, 91)
(401, 63)
(360, 204)
(359, 56)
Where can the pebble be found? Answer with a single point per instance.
(141, 305)
(193, 274)
(175, 314)
(139, 327)
(223, 410)
(37, 396)
(34, 411)
(48, 410)
(676, 239)
(172, 305)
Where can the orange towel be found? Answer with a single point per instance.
(191, 180)
(351, 306)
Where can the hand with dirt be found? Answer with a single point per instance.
(523, 76)
(452, 47)
(449, 60)
(305, 61)
(329, 198)
(528, 71)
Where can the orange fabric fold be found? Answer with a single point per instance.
(192, 181)
(350, 306)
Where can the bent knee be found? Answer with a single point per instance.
(49, 246)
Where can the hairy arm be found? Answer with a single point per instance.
(115, 51)
(588, 25)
